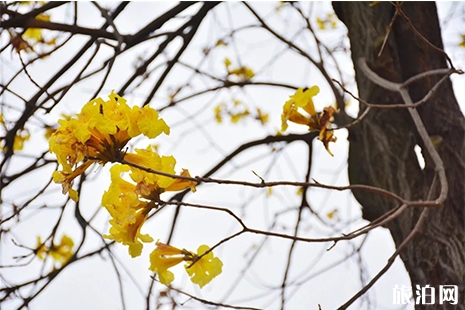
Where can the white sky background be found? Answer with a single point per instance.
(92, 283)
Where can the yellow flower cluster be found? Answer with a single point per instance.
(22, 135)
(302, 99)
(129, 202)
(330, 20)
(60, 253)
(238, 111)
(99, 134)
(244, 73)
(332, 214)
(462, 43)
(32, 37)
(201, 268)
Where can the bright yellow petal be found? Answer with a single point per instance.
(149, 124)
(166, 277)
(73, 194)
(163, 257)
(180, 184)
(205, 269)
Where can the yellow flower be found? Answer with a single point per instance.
(60, 253)
(220, 43)
(20, 138)
(35, 34)
(279, 6)
(320, 23)
(127, 211)
(151, 185)
(63, 251)
(204, 269)
(66, 177)
(269, 191)
(237, 111)
(227, 62)
(236, 117)
(128, 232)
(301, 99)
(99, 133)
(462, 44)
(180, 184)
(330, 20)
(147, 122)
(244, 73)
(218, 110)
(129, 202)
(48, 132)
(32, 37)
(41, 249)
(200, 269)
(332, 214)
(22, 135)
(322, 123)
(164, 257)
(262, 117)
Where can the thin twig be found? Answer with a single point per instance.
(212, 303)
(391, 260)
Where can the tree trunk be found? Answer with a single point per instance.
(382, 146)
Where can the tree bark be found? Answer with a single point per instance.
(381, 149)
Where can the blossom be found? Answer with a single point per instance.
(218, 110)
(22, 135)
(129, 201)
(269, 191)
(321, 23)
(227, 62)
(332, 214)
(462, 43)
(236, 117)
(35, 34)
(48, 132)
(98, 134)
(60, 253)
(204, 269)
(330, 20)
(322, 123)
(41, 249)
(262, 117)
(244, 73)
(164, 257)
(201, 269)
(32, 38)
(238, 110)
(151, 185)
(127, 211)
(220, 42)
(128, 232)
